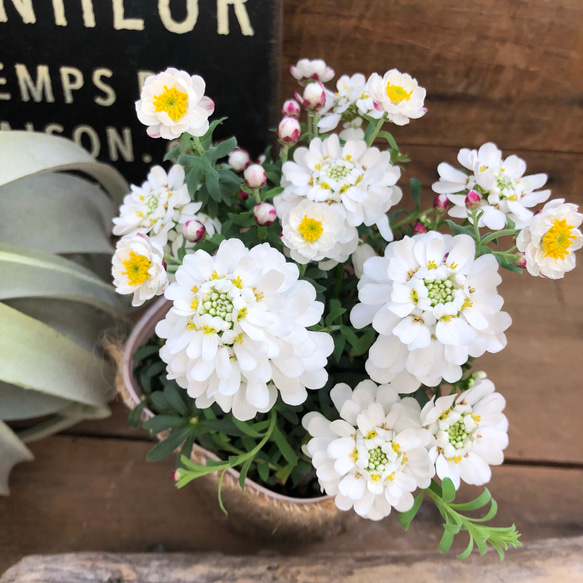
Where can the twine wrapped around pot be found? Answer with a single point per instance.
(257, 511)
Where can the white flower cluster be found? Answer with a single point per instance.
(383, 447)
(329, 190)
(433, 305)
(394, 95)
(505, 191)
(237, 332)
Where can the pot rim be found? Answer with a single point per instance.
(142, 331)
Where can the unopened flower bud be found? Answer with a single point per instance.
(243, 195)
(264, 214)
(239, 159)
(520, 260)
(291, 108)
(440, 203)
(473, 200)
(194, 231)
(289, 131)
(419, 228)
(314, 96)
(176, 475)
(255, 176)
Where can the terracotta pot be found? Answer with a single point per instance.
(258, 511)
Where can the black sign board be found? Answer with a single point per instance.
(75, 68)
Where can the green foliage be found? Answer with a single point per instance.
(480, 535)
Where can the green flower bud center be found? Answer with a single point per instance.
(337, 171)
(218, 304)
(458, 434)
(506, 187)
(377, 459)
(439, 292)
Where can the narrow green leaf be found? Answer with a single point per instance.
(144, 351)
(449, 531)
(459, 230)
(160, 401)
(468, 550)
(174, 398)
(168, 445)
(405, 518)
(223, 149)
(161, 423)
(286, 449)
(415, 186)
(478, 502)
(243, 473)
(135, 415)
(448, 490)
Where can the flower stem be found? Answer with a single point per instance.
(497, 234)
(376, 130)
(197, 145)
(416, 214)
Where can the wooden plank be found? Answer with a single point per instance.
(85, 494)
(545, 561)
(508, 72)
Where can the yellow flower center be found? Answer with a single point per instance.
(137, 269)
(558, 239)
(172, 101)
(397, 94)
(311, 229)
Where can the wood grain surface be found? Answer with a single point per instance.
(548, 561)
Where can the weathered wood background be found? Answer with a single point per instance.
(507, 71)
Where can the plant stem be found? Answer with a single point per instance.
(197, 145)
(376, 130)
(497, 234)
(416, 214)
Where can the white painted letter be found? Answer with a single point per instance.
(4, 96)
(118, 145)
(109, 98)
(178, 27)
(28, 87)
(71, 78)
(59, 10)
(23, 7)
(121, 22)
(54, 128)
(240, 13)
(95, 144)
(88, 14)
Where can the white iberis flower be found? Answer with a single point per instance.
(237, 332)
(314, 231)
(470, 433)
(398, 95)
(176, 236)
(550, 240)
(433, 305)
(504, 189)
(306, 70)
(157, 206)
(173, 103)
(375, 455)
(350, 102)
(138, 268)
(360, 178)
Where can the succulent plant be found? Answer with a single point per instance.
(55, 226)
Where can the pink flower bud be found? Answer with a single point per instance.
(264, 214)
(473, 200)
(289, 130)
(520, 260)
(291, 108)
(194, 231)
(243, 195)
(255, 176)
(441, 203)
(419, 228)
(176, 475)
(239, 159)
(314, 96)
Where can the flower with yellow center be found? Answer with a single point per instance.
(470, 433)
(172, 103)
(375, 455)
(550, 240)
(397, 95)
(314, 231)
(138, 268)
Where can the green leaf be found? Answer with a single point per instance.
(459, 230)
(223, 149)
(17, 403)
(12, 452)
(35, 356)
(405, 518)
(283, 473)
(415, 186)
(160, 423)
(160, 401)
(449, 531)
(168, 445)
(26, 153)
(478, 502)
(284, 447)
(144, 351)
(448, 490)
(263, 470)
(135, 415)
(243, 473)
(212, 185)
(335, 310)
(174, 398)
